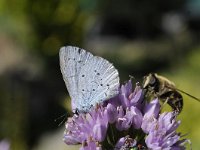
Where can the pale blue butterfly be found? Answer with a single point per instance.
(89, 79)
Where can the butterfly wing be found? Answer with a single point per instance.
(72, 59)
(98, 81)
(89, 79)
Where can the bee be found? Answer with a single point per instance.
(159, 86)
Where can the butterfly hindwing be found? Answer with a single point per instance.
(98, 81)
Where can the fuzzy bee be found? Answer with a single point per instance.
(159, 86)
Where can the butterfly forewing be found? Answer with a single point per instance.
(71, 61)
(89, 79)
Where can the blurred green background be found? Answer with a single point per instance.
(137, 36)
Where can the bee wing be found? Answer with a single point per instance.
(188, 94)
(176, 89)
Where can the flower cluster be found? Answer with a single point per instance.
(124, 122)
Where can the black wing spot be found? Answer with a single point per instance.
(101, 84)
(93, 89)
(74, 59)
(79, 50)
(108, 85)
(83, 75)
(95, 70)
(83, 90)
(98, 73)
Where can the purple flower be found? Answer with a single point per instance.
(87, 127)
(124, 119)
(162, 134)
(112, 113)
(127, 97)
(129, 117)
(151, 112)
(124, 122)
(136, 117)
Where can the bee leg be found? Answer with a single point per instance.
(164, 103)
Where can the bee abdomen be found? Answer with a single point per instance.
(174, 99)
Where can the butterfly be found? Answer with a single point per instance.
(89, 79)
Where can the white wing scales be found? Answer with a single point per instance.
(71, 61)
(89, 79)
(98, 81)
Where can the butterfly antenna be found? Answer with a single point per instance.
(188, 95)
(64, 118)
(61, 122)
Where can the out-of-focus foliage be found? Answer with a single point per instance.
(187, 78)
(31, 34)
(137, 36)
